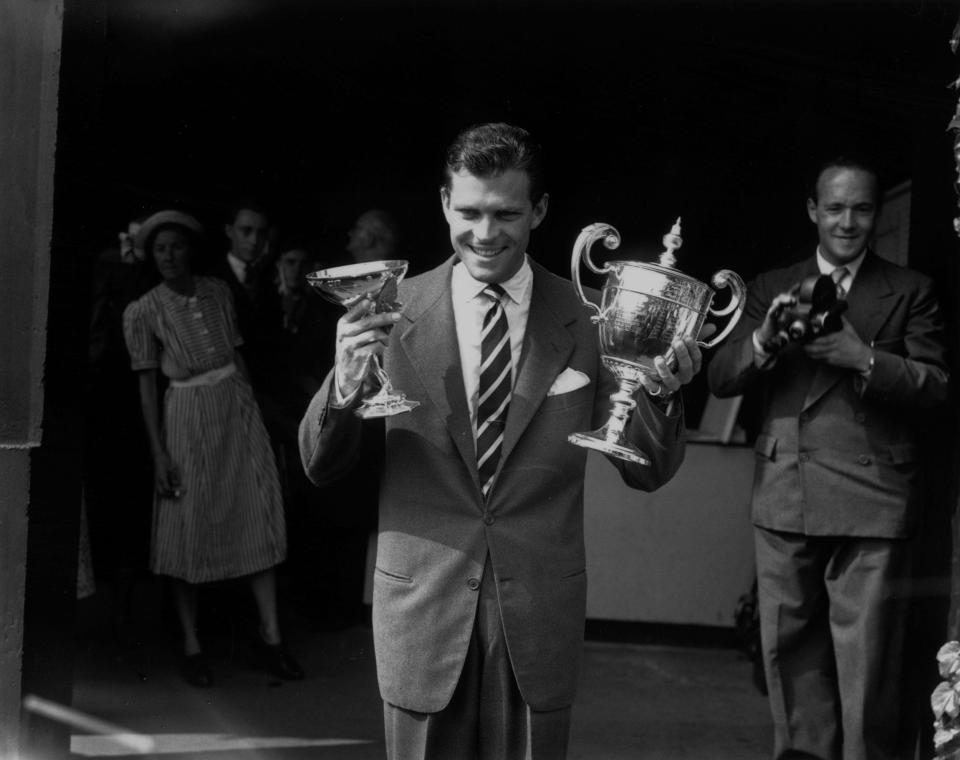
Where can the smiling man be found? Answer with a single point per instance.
(835, 493)
(480, 582)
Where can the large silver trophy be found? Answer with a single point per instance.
(376, 280)
(643, 308)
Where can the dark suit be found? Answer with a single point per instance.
(257, 323)
(437, 536)
(835, 495)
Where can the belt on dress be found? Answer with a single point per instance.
(212, 377)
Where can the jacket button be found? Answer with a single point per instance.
(804, 456)
(473, 584)
(864, 459)
(488, 519)
(860, 417)
(804, 418)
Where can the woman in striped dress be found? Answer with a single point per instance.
(218, 512)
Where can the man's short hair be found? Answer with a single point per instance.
(486, 150)
(247, 203)
(850, 161)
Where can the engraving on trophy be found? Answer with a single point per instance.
(643, 307)
(378, 281)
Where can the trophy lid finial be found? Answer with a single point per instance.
(671, 241)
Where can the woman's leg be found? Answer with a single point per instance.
(185, 600)
(277, 659)
(195, 669)
(264, 588)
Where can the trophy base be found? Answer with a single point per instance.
(384, 406)
(599, 443)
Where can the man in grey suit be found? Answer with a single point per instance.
(835, 493)
(480, 582)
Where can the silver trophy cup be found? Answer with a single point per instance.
(378, 281)
(643, 308)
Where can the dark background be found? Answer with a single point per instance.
(714, 111)
(719, 112)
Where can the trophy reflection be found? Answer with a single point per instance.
(376, 280)
(643, 308)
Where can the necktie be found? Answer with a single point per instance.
(496, 380)
(837, 275)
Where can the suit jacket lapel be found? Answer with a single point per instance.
(547, 345)
(870, 301)
(430, 344)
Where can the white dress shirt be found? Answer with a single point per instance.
(469, 308)
(853, 267)
(238, 266)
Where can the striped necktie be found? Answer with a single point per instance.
(837, 276)
(496, 381)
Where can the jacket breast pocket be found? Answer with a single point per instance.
(562, 401)
(391, 576)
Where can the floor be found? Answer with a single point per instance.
(636, 702)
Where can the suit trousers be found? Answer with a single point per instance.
(486, 718)
(832, 616)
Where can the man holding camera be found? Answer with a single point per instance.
(835, 493)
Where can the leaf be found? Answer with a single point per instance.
(948, 660)
(945, 701)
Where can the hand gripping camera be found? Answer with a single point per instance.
(817, 312)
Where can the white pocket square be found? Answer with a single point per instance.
(568, 380)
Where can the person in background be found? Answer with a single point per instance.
(218, 512)
(479, 591)
(836, 493)
(117, 473)
(300, 349)
(373, 237)
(245, 268)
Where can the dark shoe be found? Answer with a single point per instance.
(196, 671)
(280, 663)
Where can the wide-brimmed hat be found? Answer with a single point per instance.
(170, 216)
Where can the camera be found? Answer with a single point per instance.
(817, 312)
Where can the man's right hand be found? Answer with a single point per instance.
(769, 333)
(361, 335)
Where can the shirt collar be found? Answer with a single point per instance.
(853, 267)
(239, 266)
(517, 287)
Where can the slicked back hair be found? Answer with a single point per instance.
(486, 150)
(853, 163)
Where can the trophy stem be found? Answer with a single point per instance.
(386, 402)
(610, 439)
(623, 405)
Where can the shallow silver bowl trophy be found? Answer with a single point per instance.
(643, 308)
(376, 280)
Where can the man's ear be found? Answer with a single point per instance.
(812, 210)
(445, 201)
(226, 229)
(540, 210)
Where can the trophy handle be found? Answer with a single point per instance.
(727, 279)
(581, 251)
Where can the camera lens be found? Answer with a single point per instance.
(797, 329)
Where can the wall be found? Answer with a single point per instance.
(29, 68)
(682, 554)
